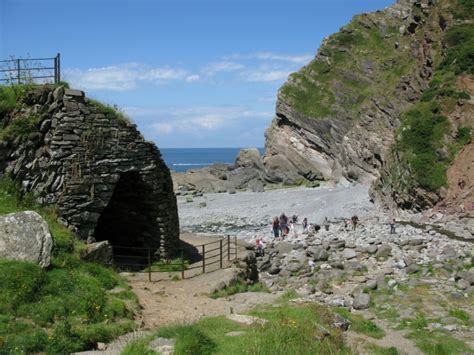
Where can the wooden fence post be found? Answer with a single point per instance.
(235, 246)
(203, 259)
(220, 253)
(182, 265)
(228, 247)
(149, 265)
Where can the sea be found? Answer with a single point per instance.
(183, 159)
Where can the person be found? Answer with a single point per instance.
(392, 226)
(326, 223)
(291, 226)
(285, 231)
(276, 227)
(354, 220)
(259, 248)
(305, 225)
(283, 222)
(294, 218)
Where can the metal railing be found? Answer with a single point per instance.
(212, 255)
(22, 71)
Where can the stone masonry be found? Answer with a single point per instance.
(106, 180)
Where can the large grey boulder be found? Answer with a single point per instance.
(361, 301)
(249, 158)
(25, 236)
(100, 252)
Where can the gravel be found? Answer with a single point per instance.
(246, 213)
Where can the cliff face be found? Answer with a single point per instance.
(83, 157)
(340, 116)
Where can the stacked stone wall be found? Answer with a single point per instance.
(77, 156)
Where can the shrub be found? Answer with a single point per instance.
(111, 111)
(189, 340)
(460, 49)
(21, 128)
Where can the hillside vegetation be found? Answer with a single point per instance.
(429, 139)
(66, 308)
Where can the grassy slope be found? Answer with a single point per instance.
(64, 308)
(361, 63)
(425, 129)
(291, 329)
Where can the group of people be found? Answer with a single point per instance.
(282, 226)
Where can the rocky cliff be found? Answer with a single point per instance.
(341, 116)
(86, 159)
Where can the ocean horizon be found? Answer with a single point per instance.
(184, 159)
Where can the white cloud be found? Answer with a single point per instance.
(192, 78)
(169, 120)
(266, 76)
(162, 128)
(272, 56)
(224, 66)
(126, 76)
(297, 59)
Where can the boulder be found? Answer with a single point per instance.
(25, 236)
(361, 301)
(318, 253)
(249, 158)
(349, 254)
(383, 251)
(100, 252)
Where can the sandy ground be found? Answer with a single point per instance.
(167, 302)
(246, 213)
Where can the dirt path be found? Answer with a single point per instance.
(392, 338)
(167, 302)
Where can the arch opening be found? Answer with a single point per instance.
(128, 222)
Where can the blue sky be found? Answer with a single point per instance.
(200, 73)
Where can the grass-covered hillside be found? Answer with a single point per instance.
(67, 307)
(430, 137)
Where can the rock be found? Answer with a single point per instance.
(349, 254)
(274, 269)
(337, 244)
(466, 275)
(361, 301)
(163, 346)
(340, 322)
(383, 251)
(236, 333)
(76, 93)
(100, 252)
(415, 241)
(371, 249)
(25, 236)
(246, 320)
(371, 284)
(318, 253)
(463, 284)
(249, 157)
(412, 268)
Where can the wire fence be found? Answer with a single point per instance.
(31, 70)
(189, 260)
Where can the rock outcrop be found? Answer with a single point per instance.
(246, 173)
(341, 116)
(25, 236)
(107, 182)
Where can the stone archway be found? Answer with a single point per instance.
(129, 219)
